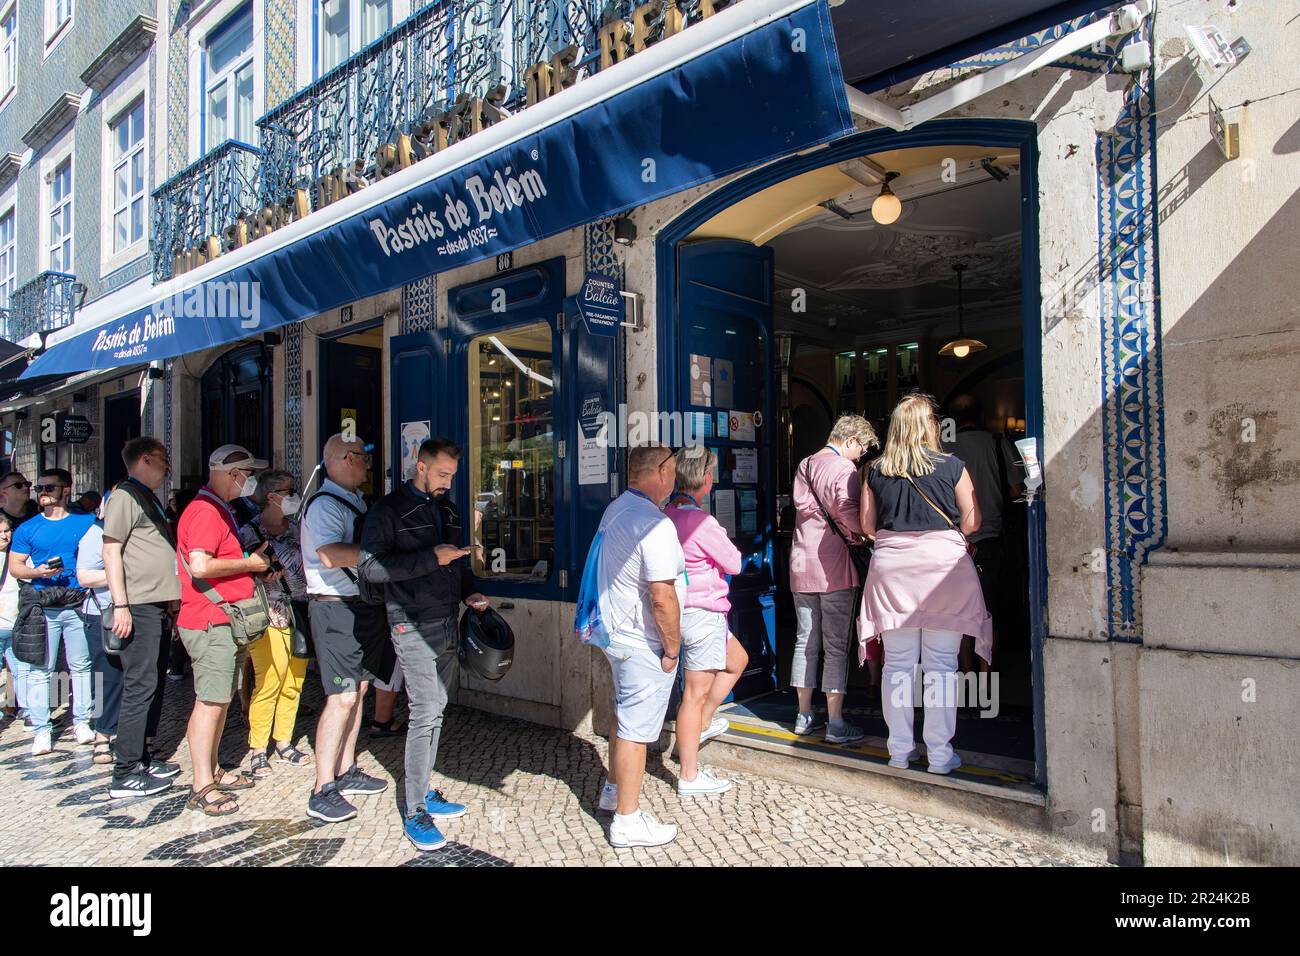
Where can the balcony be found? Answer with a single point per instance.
(45, 304)
(199, 211)
(443, 74)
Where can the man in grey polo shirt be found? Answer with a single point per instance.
(349, 635)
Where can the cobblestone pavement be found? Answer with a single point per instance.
(531, 793)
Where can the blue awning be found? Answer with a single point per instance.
(678, 114)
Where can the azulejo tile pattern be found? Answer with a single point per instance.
(281, 16)
(1132, 379)
(419, 305)
(600, 252)
(293, 400)
(177, 87)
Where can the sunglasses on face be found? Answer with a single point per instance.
(17, 485)
(364, 456)
(49, 489)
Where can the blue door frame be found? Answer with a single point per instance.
(975, 132)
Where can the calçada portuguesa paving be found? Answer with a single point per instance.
(531, 793)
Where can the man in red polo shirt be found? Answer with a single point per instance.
(207, 539)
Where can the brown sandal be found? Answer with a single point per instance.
(241, 782)
(102, 752)
(211, 803)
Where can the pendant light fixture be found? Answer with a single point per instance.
(960, 347)
(887, 207)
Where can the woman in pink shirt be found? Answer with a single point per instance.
(822, 575)
(712, 659)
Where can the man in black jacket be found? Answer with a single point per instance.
(411, 545)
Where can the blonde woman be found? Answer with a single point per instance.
(712, 658)
(822, 575)
(922, 592)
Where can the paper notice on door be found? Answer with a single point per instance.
(724, 509)
(749, 522)
(723, 393)
(742, 426)
(413, 435)
(701, 380)
(746, 470)
(593, 451)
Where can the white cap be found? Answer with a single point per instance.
(234, 456)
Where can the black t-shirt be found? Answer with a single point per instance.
(30, 510)
(900, 508)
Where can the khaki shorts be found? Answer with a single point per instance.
(217, 663)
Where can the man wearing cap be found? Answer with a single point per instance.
(207, 542)
(349, 635)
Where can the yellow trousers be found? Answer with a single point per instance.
(278, 684)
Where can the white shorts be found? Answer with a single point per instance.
(704, 639)
(641, 692)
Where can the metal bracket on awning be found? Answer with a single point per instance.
(1121, 21)
(635, 324)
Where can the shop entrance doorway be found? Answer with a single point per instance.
(121, 424)
(352, 393)
(859, 309)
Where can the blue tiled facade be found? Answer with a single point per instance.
(42, 78)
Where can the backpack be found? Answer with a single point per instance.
(587, 622)
(369, 593)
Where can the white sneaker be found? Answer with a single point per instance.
(704, 782)
(902, 762)
(946, 768)
(84, 734)
(608, 797)
(41, 744)
(640, 829)
(718, 726)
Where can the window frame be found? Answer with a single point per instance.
(228, 77)
(56, 29)
(139, 148)
(132, 89)
(9, 11)
(356, 41)
(52, 210)
(8, 256)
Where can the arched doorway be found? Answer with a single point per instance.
(237, 399)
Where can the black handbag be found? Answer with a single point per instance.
(300, 640)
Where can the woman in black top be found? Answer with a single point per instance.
(922, 591)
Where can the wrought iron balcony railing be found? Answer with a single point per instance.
(196, 207)
(414, 80)
(451, 50)
(45, 304)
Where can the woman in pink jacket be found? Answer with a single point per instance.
(712, 658)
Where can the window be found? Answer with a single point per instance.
(8, 51)
(128, 159)
(8, 269)
(61, 217)
(229, 88)
(58, 13)
(511, 458)
(348, 26)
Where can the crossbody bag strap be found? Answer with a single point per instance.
(807, 477)
(150, 508)
(942, 514)
(203, 585)
(348, 573)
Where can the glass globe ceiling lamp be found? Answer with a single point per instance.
(960, 347)
(886, 208)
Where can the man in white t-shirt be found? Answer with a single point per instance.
(642, 591)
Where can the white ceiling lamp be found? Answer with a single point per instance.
(960, 347)
(887, 207)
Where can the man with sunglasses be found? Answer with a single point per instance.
(16, 498)
(349, 634)
(44, 555)
(140, 563)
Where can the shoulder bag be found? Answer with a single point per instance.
(970, 548)
(249, 618)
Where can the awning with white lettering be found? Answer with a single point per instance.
(677, 114)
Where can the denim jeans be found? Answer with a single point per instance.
(18, 669)
(61, 624)
(429, 665)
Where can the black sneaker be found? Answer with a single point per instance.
(357, 781)
(141, 783)
(329, 805)
(164, 769)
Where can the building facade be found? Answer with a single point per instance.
(1149, 637)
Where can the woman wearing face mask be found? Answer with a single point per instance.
(278, 675)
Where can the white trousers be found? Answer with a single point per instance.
(936, 651)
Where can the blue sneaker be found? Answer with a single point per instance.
(437, 806)
(423, 832)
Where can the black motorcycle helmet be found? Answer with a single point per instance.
(487, 645)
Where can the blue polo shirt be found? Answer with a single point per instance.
(42, 539)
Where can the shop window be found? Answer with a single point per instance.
(511, 458)
(229, 85)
